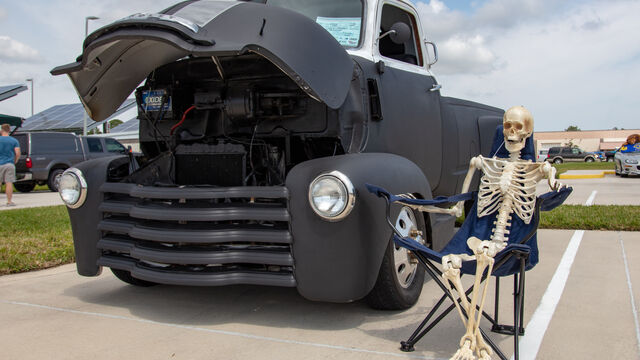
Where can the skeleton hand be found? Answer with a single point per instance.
(550, 172)
(458, 209)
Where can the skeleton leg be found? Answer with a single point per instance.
(451, 274)
(484, 352)
(484, 252)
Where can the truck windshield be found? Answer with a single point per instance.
(341, 18)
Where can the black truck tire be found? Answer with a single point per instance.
(390, 291)
(126, 277)
(25, 187)
(54, 177)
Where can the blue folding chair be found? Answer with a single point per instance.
(520, 255)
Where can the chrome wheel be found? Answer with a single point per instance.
(405, 263)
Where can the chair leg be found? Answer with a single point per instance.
(408, 345)
(518, 306)
(502, 328)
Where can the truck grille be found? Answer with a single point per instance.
(200, 236)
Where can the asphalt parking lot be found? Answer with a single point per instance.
(584, 307)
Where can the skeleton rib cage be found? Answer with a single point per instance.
(507, 187)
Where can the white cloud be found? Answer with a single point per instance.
(13, 50)
(576, 65)
(571, 62)
(466, 55)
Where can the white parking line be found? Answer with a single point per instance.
(633, 301)
(530, 342)
(220, 332)
(591, 198)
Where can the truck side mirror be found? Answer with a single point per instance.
(399, 33)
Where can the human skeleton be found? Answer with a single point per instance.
(507, 186)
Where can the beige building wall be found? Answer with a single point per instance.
(587, 140)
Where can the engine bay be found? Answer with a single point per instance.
(228, 121)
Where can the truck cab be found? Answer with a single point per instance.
(262, 122)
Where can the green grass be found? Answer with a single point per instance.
(596, 217)
(39, 238)
(34, 238)
(37, 188)
(561, 168)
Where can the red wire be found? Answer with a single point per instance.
(184, 116)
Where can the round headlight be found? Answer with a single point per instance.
(72, 188)
(332, 196)
(630, 161)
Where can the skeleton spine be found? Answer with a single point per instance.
(503, 220)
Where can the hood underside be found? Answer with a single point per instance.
(118, 57)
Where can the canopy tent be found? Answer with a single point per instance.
(11, 120)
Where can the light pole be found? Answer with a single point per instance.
(86, 32)
(31, 81)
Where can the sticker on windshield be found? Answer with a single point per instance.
(345, 30)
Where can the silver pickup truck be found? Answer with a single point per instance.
(46, 155)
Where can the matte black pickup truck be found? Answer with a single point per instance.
(263, 121)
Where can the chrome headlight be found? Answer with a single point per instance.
(332, 196)
(72, 188)
(630, 161)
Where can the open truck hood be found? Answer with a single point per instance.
(118, 57)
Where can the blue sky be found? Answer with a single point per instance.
(573, 62)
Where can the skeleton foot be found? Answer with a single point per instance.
(464, 353)
(482, 355)
(483, 351)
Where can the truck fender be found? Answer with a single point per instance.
(58, 165)
(339, 261)
(85, 226)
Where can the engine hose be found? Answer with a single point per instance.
(184, 116)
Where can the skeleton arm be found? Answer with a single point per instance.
(475, 163)
(550, 173)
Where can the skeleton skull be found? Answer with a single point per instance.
(518, 126)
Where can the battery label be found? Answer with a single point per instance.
(153, 99)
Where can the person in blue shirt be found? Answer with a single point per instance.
(9, 155)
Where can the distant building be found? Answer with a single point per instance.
(587, 140)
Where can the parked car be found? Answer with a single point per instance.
(610, 155)
(542, 155)
(627, 160)
(261, 140)
(599, 155)
(46, 155)
(560, 154)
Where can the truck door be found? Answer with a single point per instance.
(411, 121)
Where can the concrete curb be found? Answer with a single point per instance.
(587, 176)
